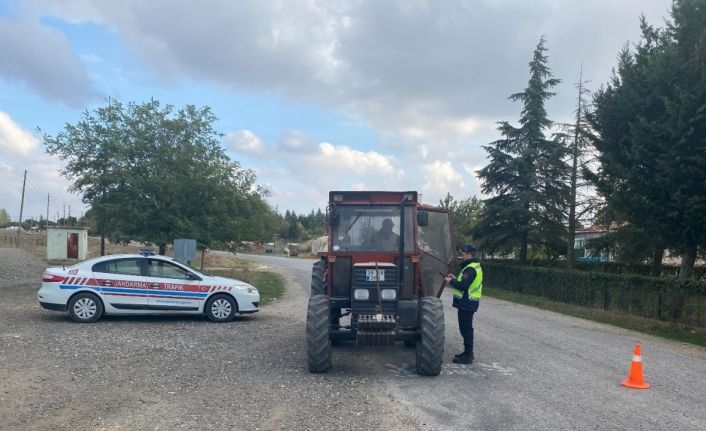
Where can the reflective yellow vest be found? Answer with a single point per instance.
(476, 288)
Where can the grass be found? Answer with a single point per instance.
(269, 284)
(668, 330)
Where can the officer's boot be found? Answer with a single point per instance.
(466, 357)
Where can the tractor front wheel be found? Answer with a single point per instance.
(317, 278)
(430, 347)
(318, 325)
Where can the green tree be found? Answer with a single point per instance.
(526, 176)
(650, 123)
(153, 174)
(465, 216)
(4, 218)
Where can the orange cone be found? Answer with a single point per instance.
(635, 379)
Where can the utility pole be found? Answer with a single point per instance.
(47, 222)
(22, 206)
(69, 211)
(63, 222)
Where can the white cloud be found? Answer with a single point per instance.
(295, 141)
(245, 141)
(420, 69)
(42, 58)
(440, 177)
(342, 159)
(14, 140)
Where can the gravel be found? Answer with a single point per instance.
(18, 264)
(174, 372)
(534, 370)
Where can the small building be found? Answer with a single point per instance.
(581, 241)
(67, 243)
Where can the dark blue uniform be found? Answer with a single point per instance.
(466, 306)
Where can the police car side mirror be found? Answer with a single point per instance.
(423, 218)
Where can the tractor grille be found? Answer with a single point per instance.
(363, 278)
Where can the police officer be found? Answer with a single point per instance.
(467, 288)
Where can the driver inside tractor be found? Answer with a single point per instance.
(371, 229)
(385, 239)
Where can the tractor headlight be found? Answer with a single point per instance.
(361, 294)
(388, 294)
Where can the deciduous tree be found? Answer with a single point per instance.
(153, 174)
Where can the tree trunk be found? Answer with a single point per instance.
(688, 258)
(162, 249)
(570, 252)
(203, 256)
(523, 248)
(657, 262)
(102, 243)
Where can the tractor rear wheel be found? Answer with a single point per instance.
(430, 347)
(318, 323)
(317, 278)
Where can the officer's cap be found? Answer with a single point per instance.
(467, 248)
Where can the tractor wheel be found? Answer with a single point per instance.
(318, 345)
(317, 278)
(430, 348)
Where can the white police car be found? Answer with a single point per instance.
(143, 284)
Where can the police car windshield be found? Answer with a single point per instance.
(375, 229)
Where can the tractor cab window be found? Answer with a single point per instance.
(436, 246)
(373, 229)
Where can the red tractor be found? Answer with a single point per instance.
(380, 280)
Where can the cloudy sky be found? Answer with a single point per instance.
(313, 95)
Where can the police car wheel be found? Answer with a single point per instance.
(221, 308)
(85, 308)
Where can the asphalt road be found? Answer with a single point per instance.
(534, 370)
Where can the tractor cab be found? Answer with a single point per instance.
(380, 280)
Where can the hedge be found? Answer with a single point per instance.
(668, 271)
(656, 298)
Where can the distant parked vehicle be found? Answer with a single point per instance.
(143, 284)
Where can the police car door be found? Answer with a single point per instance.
(121, 283)
(173, 287)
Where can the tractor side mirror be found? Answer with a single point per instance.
(423, 218)
(334, 219)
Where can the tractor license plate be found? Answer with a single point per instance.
(374, 275)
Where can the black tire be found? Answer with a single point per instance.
(430, 348)
(318, 344)
(85, 308)
(317, 278)
(221, 308)
(409, 344)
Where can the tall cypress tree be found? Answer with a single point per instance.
(526, 176)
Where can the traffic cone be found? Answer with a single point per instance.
(635, 379)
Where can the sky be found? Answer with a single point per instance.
(313, 95)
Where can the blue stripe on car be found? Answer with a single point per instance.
(137, 291)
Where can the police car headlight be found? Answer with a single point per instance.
(388, 294)
(361, 294)
(246, 287)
